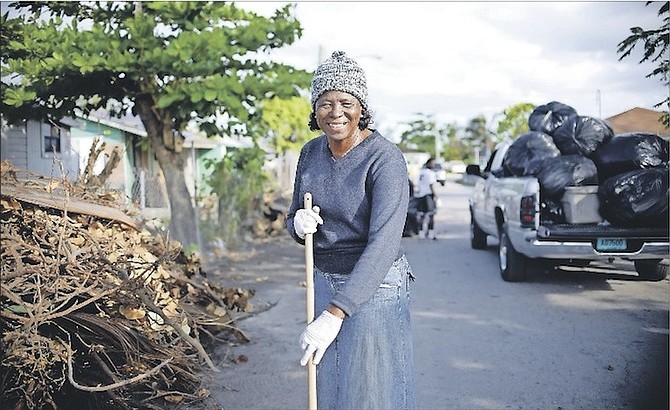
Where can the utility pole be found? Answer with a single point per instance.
(320, 55)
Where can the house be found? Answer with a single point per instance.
(43, 148)
(138, 173)
(48, 148)
(61, 150)
(639, 120)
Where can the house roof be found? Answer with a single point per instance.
(638, 120)
(200, 140)
(126, 126)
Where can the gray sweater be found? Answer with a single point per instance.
(363, 198)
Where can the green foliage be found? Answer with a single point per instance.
(239, 181)
(455, 147)
(287, 123)
(514, 121)
(479, 138)
(171, 63)
(477, 133)
(461, 143)
(464, 143)
(655, 43)
(198, 60)
(424, 134)
(453, 142)
(15, 97)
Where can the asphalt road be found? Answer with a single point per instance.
(580, 338)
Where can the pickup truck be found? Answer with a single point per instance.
(510, 209)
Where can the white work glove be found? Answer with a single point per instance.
(306, 221)
(319, 335)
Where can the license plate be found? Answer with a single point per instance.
(611, 244)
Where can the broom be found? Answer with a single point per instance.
(309, 280)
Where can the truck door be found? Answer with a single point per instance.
(487, 201)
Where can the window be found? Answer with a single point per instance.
(51, 134)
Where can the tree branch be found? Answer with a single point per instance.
(70, 375)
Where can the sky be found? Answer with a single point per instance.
(459, 60)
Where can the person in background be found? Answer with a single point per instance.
(427, 196)
(361, 341)
(411, 225)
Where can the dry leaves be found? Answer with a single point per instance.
(94, 311)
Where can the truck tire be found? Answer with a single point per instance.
(477, 236)
(652, 269)
(513, 265)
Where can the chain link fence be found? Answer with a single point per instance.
(148, 189)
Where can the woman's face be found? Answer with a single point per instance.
(337, 114)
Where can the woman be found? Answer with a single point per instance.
(361, 339)
(427, 195)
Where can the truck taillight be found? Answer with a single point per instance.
(527, 211)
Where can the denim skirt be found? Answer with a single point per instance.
(370, 364)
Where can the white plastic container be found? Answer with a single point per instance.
(580, 204)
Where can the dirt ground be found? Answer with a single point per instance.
(275, 269)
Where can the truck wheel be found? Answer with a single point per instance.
(512, 264)
(477, 236)
(653, 270)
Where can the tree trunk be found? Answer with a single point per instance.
(182, 214)
(159, 129)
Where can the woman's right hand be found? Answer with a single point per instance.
(306, 221)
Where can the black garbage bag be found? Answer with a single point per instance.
(526, 154)
(628, 152)
(582, 135)
(566, 170)
(552, 211)
(546, 118)
(636, 198)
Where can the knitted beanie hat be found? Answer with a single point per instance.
(340, 73)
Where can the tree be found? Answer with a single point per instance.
(238, 179)
(454, 147)
(478, 134)
(514, 121)
(286, 121)
(423, 134)
(655, 44)
(170, 63)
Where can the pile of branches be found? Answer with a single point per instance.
(96, 313)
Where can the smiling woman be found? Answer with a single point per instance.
(339, 101)
(361, 275)
(338, 115)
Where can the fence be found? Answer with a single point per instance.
(148, 189)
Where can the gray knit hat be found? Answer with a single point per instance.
(340, 73)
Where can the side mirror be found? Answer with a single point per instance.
(473, 169)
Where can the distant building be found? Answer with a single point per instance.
(639, 120)
(61, 150)
(42, 148)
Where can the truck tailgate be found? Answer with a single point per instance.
(602, 237)
(585, 231)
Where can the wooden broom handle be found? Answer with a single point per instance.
(309, 284)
